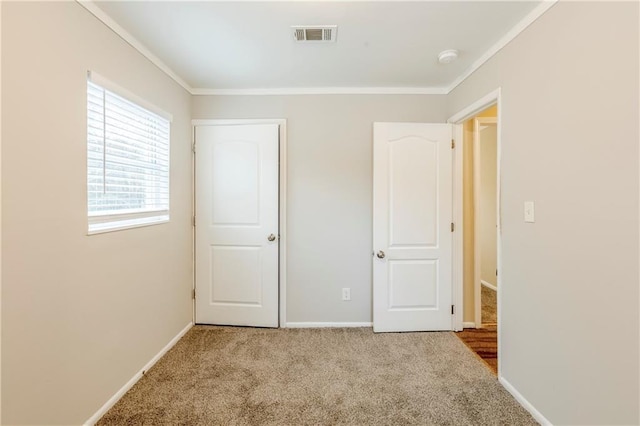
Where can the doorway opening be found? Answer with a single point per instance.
(483, 216)
(477, 180)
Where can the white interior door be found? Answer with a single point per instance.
(412, 215)
(237, 225)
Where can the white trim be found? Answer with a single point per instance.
(0, 211)
(100, 80)
(488, 285)
(111, 223)
(487, 120)
(94, 9)
(469, 324)
(193, 224)
(282, 267)
(324, 91)
(493, 98)
(514, 32)
(282, 282)
(119, 394)
(237, 122)
(457, 248)
(499, 230)
(328, 324)
(484, 102)
(537, 415)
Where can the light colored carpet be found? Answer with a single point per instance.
(247, 376)
(489, 302)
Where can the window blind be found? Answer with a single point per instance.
(127, 161)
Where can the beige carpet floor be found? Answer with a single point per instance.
(489, 302)
(247, 376)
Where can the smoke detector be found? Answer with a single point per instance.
(447, 56)
(315, 33)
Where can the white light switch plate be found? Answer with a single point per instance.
(529, 212)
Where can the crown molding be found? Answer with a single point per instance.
(134, 42)
(324, 91)
(537, 12)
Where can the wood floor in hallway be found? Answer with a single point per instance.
(484, 343)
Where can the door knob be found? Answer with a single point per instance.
(380, 254)
(271, 237)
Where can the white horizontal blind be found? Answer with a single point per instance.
(127, 162)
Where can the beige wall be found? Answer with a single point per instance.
(569, 295)
(487, 230)
(329, 190)
(80, 314)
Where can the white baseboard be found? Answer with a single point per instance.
(469, 324)
(489, 285)
(112, 401)
(327, 324)
(526, 404)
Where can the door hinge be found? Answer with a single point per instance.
(453, 309)
(453, 227)
(193, 147)
(453, 144)
(193, 294)
(193, 220)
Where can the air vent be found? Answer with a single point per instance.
(315, 33)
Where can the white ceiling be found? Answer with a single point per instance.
(249, 45)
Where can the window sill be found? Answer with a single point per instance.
(120, 225)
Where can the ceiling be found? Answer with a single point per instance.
(238, 45)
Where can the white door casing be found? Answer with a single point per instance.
(237, 224)
(412, 236)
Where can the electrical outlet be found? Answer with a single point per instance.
(346, 293)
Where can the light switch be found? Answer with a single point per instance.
(529, 212)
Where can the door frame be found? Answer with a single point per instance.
(477, 281)
(458, 119)
(282, 202)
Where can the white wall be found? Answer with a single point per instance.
(329, 190)
(80, 314)
(569, 296)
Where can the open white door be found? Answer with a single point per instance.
(237, 225)
(412, 215)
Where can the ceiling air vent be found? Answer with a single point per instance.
(315, 33)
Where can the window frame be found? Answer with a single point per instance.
(97, 222)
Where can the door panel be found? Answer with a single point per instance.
(411, 226)
(235, 189)
(413, 159)
(236, 213)
(236, 275)
(413, 284)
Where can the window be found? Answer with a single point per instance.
(127, 160)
